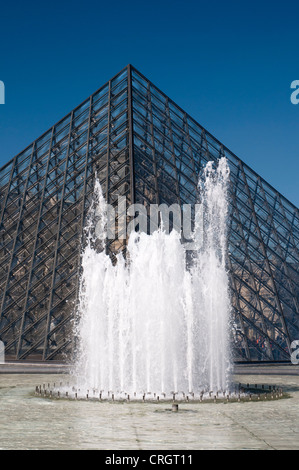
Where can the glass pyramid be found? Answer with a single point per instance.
(143, 146)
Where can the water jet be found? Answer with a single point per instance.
(153, 322)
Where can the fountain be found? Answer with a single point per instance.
(151, 325)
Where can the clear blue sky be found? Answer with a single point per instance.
(229, 64)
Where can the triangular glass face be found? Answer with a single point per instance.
(144, 147)
(45, 194)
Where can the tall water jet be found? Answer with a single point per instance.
(210, 278)
(151, 323)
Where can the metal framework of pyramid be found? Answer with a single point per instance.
(143, 146)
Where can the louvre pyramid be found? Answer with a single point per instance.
(143, 146)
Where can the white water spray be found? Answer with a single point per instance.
(150, 324)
